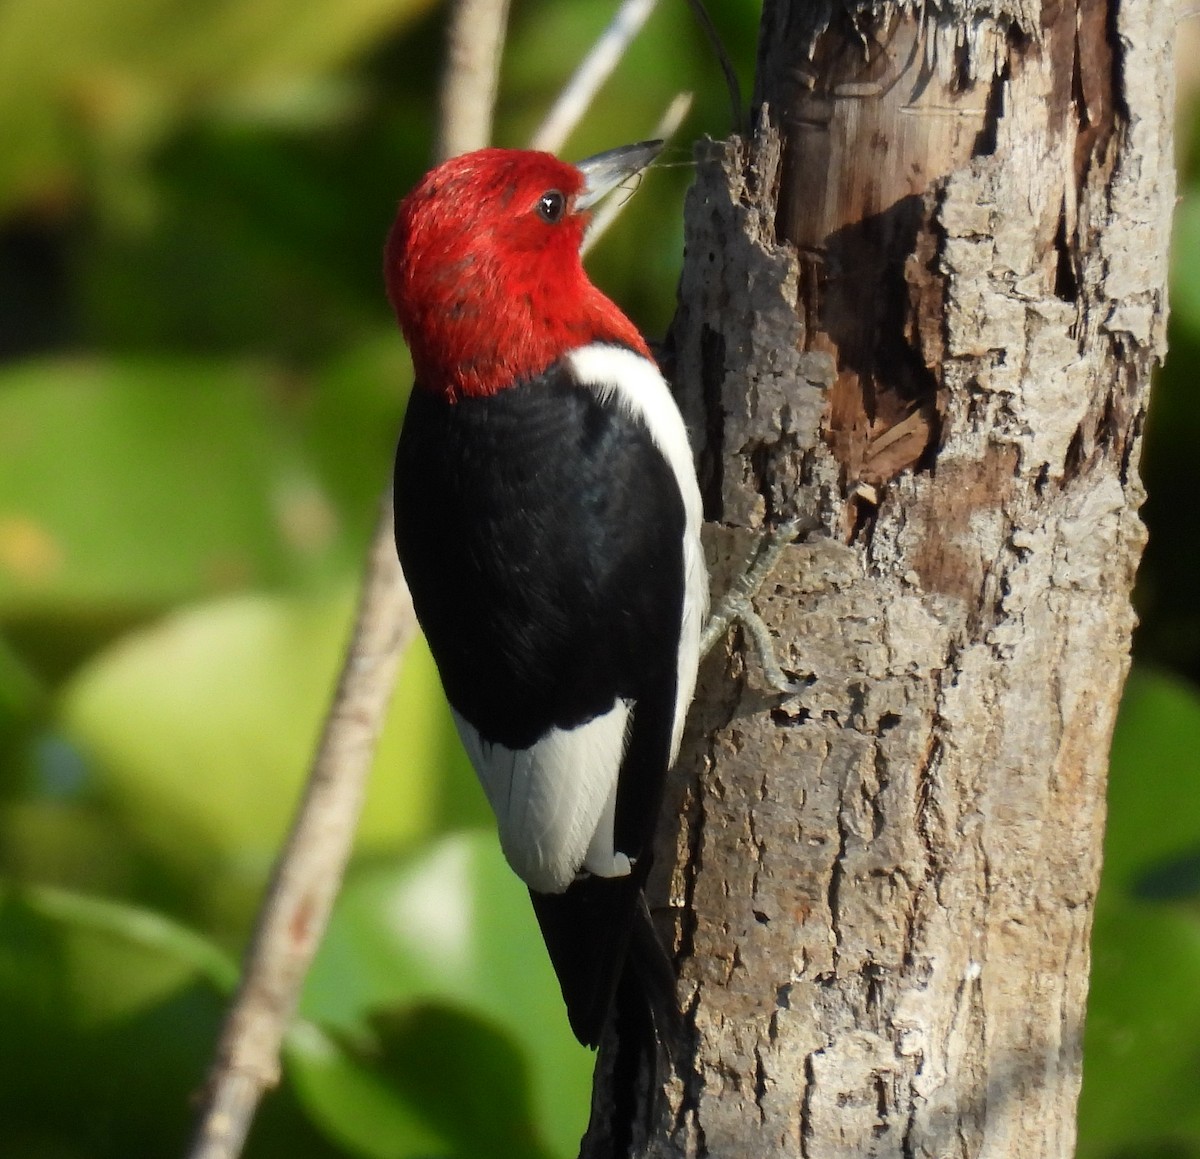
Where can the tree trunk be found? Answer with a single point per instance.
(923, 304)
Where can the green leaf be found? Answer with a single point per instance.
(454, 927)
(352, 422)
(1185, 262)
(20, 691)
(146, 955)
(1154, 810)
(102, 1000)
(127, 486)
(1142, 1047)
(66, 843)
(485, 1108)
(202, 728)
(120, 72)
(435, 1080)
(356, 1105)
(110, 1014)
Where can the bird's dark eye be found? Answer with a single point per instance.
(550, 206)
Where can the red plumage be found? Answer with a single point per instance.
(487, 291)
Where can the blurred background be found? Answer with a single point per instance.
(200, 388)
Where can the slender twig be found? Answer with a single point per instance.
(469, 81)
(595, 68)
(310, 867)
(304, 884)
(667, 127)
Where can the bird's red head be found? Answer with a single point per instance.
(483, 271)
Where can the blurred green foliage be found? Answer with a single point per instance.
(200, 391)
(200, 387)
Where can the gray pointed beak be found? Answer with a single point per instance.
(605, 171)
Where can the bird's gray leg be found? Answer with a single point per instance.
(735, 605)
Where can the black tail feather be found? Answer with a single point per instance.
(603, 944)
(639, 1042)
(587, 932)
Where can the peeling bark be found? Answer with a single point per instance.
(923, 304)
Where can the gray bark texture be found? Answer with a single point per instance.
(923, 304)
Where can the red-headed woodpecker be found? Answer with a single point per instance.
(548, 522)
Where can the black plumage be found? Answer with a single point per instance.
(541, 533)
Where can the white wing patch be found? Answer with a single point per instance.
(555, 801)
(636, 385)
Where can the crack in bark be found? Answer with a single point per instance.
(837, 874)
(692, 1084)
(760, 1085)
(711, 466)
(806, 1109)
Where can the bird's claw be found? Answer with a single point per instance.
(736, 606)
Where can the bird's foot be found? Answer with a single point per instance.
(736, 605)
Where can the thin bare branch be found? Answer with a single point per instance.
(310, 867)
(308, 873)
(576, 98)
(468, 96)
(667, 127)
